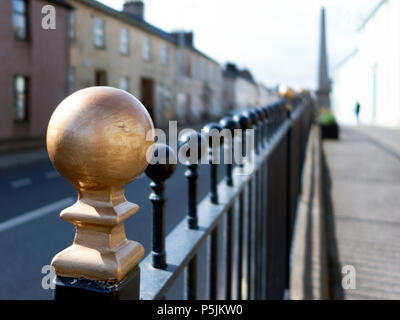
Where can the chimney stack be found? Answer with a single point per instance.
(134, 8)
(184, 38)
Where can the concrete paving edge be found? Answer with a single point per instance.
(309, 271)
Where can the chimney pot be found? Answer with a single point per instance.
(134, 8)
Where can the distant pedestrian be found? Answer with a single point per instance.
(357, 112)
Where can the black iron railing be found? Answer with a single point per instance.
(257, 208)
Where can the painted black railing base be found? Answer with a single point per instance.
(75, 289)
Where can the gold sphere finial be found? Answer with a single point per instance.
(286, 92)
(98, 139)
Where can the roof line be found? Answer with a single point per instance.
(139, 23)
(341, 63)
(142, 24)
(371, 15)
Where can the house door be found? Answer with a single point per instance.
(147, 95)
(100, 78)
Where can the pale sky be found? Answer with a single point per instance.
(277, 40)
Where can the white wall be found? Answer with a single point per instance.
(378, 56)
(245, 94)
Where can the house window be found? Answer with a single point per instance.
(188, 65)
(206, 72)
(20, 98)
(215, 74)
(197, 68)
(181, 63)
(98, 32)
(124, 84)
(71, 25)
(124, 41)
(71, 80)
(146, 48)
(165, 54)
(20, 19)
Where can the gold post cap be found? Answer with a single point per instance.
(286, 92)
(97, 139)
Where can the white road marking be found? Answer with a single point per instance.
(35, 214)
(52, 174)
(21, 183)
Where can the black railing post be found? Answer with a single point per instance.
(259, 204)
(191, 174)
(192, 142)
(228, 123)
(271, 122)
(244, 122)
(101, 263)
(253, 118)
(158, 172)
(261, 127)
(276, 117)
(267, 122)
(212, 133)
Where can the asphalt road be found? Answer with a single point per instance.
(34, 194)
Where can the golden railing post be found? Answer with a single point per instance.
(96, 139)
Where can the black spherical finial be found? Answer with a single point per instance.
(253, 117)
(260, 114)
(243, 120)
(164, 165)
(211, 131)
(192, 141)
(273, 108)
(229, 124)
(265, 110)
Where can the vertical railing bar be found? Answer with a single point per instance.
(158, 248)
(261, 232)
(229, 124)
(249, 215)
(211, 132)
(191, 269)
(191, 174)
(264, 234)
(191, 280)
(289, 204)
(213, 183)
(213, 264)
(254, 238)
(240, 224)
(258, 233)
(265, 112)
(229, 254)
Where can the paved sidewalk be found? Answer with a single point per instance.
(364, 168)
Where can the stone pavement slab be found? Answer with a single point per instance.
(364, 168)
